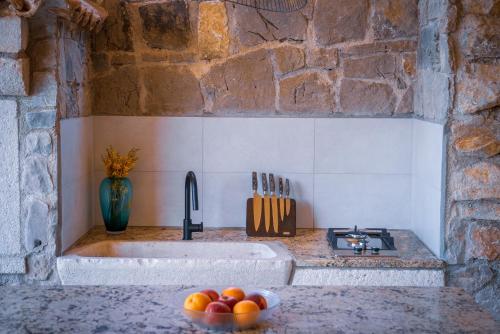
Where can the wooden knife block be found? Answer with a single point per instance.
(286, 228)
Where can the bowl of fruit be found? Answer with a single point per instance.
(231, 309)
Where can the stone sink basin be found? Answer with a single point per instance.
(175, 263)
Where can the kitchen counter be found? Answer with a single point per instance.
(139, 309)
(309, 247)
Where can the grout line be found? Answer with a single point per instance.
(314, 177)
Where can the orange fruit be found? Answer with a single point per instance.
(246, 313)
(234, 292)
(197, 302)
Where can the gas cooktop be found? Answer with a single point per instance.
(363, 242)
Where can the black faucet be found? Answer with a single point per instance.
(191, 188)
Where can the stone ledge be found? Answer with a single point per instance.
(12, 264)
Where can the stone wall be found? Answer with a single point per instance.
(333, 58)
(459, 84)
(36, 55)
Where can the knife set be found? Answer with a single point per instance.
(273, 214)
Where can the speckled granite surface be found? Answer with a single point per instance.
(303, 310)
(309, 247)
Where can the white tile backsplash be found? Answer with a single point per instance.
(76, 179)
(353, 145)
(342, 171)
(366, 200)
(235, 145)
(165, 143)
(427, 171)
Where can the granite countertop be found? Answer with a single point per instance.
(309, 247)
(139, 309)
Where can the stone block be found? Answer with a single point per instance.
(38, 142)
(374, 67)
(249, 27)
(44, 92)
(306, 93)
(10, 227)
(337, 21)
(395, 19)
(100, 62)
(14, 34)
(116, 93)
(476, 136)
(36, 178)
(12, 265)
(484, 241)
(213, 31)
(472, 277)
(41, 119)
(363, 98)
(289, 59)
(380, 47)
(477, 88)
(116, 34)
(433, 90)
(43, 55)
(119, 59)
(479, 38)
(14, 76)
(242, 84)
(476, 182)
(409, 64)
(323, 58)
(36, 223)
(481, 7)
(166, 25)
(171, 90)
(405, 106)
(428, 49)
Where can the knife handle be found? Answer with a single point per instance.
(254, 182)
(272, 185)
(264, 182)
(287, 188)
(280, 185)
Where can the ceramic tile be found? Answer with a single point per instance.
(165, 143)
(428, 152)
(366, 200)
(261, 144)
(225, 198)
(76, 179)
(363, 146)
(158, 198)
(426, 215)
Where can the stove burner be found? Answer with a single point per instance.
(365, 242)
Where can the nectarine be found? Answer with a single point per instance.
(197, 302)
(237, 293)
(212, 294)
(229, 301)
(246, 313)
(258, 299)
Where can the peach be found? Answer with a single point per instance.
(246, 313)
(197, 302)
(212, 294)
(258, 299)
(234, 292)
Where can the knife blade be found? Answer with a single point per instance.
(257, 202)
(282, 200)
(274, 202)
(267, 203)
(287, 197)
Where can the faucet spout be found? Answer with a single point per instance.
(190, 191)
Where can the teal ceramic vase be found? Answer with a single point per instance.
(115, 196)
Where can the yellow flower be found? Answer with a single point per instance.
(117, 165)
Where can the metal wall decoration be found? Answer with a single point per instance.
(87, 14)
(24, 8)
(283, 6)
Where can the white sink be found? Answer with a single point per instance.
(175, 263)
